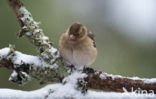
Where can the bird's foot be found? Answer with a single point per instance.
(71, 68)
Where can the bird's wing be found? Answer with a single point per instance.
(92, 36)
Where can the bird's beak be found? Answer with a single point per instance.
(71, 37)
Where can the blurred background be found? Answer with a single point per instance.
(125, 33)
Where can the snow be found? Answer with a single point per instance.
(36, 31)
(72, 79)
(102, 76)
(19, 58)
(27, 59)
(43, 54)
(14, 74)
(54, 66)
(25, 12)
(4, 52)
(152, 80)
(45, 38)
(23, 19)
(53, 50)
(114, 76)
(28, 33)
(60, 91)
(54, 53)
(24, 27)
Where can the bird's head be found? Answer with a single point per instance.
(77, 32)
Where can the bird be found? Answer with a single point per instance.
(77, 46)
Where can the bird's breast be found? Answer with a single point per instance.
(79, 54)
(84, 56)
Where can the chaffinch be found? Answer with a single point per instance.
(77, 46)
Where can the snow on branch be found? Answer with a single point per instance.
(49, 67)
(108, 82)
(27, 66)
(59, 91)
(31, 30)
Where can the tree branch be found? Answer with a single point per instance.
(26, 66)
(108, 82)
(96, 79)
(31, 30)
(51, 60)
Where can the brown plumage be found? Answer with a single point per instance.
(77, 46)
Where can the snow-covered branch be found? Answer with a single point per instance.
(108, 82)
(27, 66)
(59, 91)
(47, 53)
(31, 29)
(49, 67)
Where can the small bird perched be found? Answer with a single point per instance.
(77, 46)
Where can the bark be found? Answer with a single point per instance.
(107, 82)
